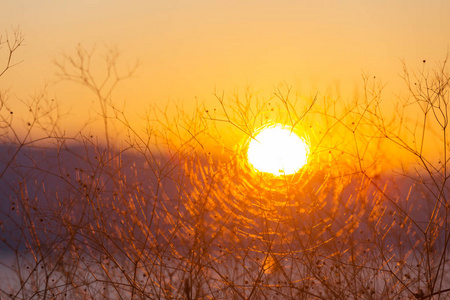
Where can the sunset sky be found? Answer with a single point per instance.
(188, 49)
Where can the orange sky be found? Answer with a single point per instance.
(187, 49)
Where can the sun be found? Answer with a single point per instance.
(277, 150)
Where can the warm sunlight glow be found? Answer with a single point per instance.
(277, 150)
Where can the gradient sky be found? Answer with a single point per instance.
(187, 49)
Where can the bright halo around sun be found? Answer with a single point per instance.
(277, 150)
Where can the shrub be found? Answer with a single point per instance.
(177, 213)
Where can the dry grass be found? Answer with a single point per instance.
(178, 214)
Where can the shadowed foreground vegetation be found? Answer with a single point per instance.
(173, 211)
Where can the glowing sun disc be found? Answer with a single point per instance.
(277, 150)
